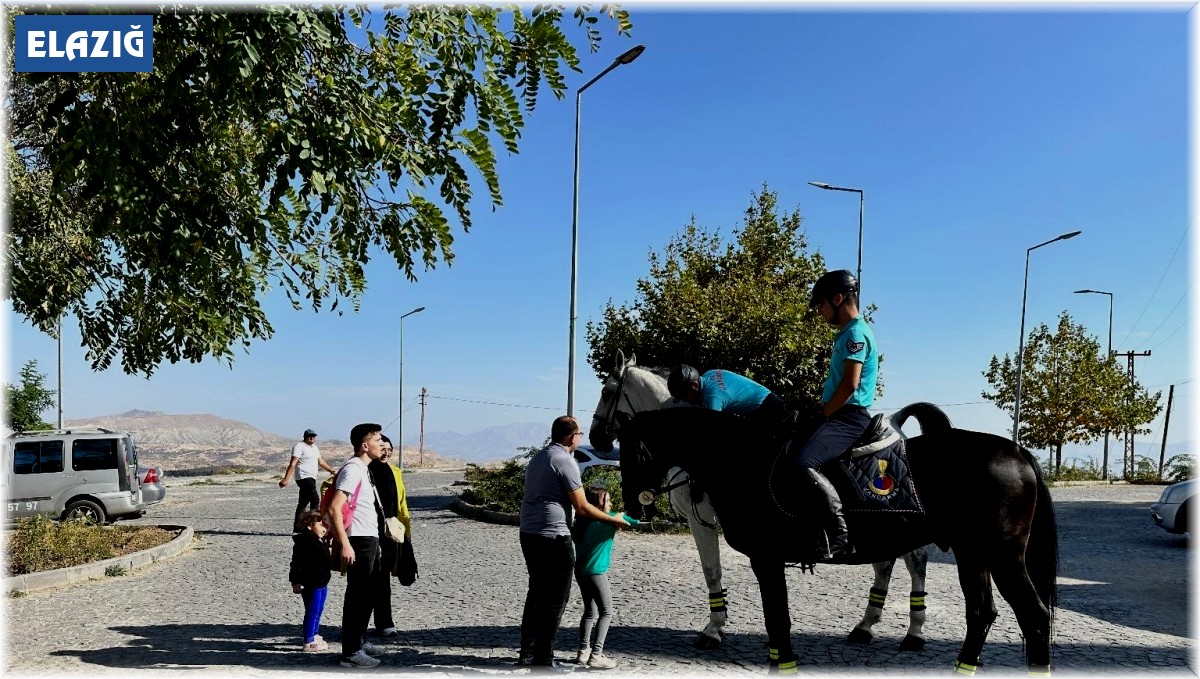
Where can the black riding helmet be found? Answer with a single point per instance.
(833, 283)
(682, 377)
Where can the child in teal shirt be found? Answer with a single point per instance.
(593, 551)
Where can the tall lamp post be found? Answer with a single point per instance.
(400, 426)
(827, 187)
(1104, 469)
(1021, 344)
(625, 58)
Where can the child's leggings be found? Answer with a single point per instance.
(314, 605)
(597, 610)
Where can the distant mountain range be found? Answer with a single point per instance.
(194, 441)
(494, 443)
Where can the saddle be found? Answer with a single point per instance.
(871, 477)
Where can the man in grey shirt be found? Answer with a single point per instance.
(552, 488)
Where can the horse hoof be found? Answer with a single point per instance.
(911, 643)
(859, 635)
(707, 643)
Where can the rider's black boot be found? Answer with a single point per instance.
(826, 499)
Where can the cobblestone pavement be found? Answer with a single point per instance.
(225, 604)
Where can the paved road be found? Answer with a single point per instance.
(225, 604)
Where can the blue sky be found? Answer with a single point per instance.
(974, 134)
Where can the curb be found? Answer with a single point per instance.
(481, 514)
(65, 576)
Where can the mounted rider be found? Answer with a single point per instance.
(728, 391)
(849, 390)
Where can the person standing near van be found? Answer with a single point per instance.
(306, 459)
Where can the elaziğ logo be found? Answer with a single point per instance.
(84, 43)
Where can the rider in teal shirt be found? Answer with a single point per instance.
(849, 390)
(725, 390)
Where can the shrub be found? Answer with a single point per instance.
(115, 570)
(39, 543)
(1088, 471)
(1179, 468)
(502, 489)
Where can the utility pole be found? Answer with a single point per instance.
(421, 441)
(1129, 432)
(1162, 453)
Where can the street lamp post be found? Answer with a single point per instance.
(400, 426)
(1104, 468)
(1021, 344)
(625, 58)
(861, 195)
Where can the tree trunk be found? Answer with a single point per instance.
(1058, 459)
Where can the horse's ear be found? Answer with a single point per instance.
(632, 358)
(620, 364)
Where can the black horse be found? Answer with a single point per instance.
(983, 496)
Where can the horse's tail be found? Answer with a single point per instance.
(930, 417)
(1041, 554)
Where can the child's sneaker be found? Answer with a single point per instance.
(584, 655)
(359, 660)
(601, 662)
(316, 645)
(373, 650)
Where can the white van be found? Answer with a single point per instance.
(69, 473)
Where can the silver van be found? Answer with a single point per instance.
(69, 473)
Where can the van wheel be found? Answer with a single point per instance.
(87, 510)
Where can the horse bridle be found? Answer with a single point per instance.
(610, 418)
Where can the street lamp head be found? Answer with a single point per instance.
(821, 185)
(420, 308)
(1081, 291)
(631, 54)
(1069, 235)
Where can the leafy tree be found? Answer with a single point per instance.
(740, 305)
(1178, 468)
(25, 403)
(272, 149)
(1069, 394)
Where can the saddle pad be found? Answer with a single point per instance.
(875, 481)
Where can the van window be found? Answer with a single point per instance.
(90, 454)
(38, 457)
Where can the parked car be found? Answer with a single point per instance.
(154, 488)
(588, 457)
(1171, 511)
(72, 473)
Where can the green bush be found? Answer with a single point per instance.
(1179, 468)
(502, 489)
(39, 543)
(1087, 471)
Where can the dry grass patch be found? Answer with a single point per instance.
(41, 544)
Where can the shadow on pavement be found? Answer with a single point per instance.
(276, 646)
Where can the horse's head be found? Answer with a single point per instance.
(629, 390)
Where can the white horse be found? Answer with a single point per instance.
(630, 389)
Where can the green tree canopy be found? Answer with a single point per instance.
(24, 403)
(740, 306)
(1069, 392)
(272, 149)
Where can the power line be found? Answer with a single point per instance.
(495, 403)
(1182, 237)
(1181, 327)
(1165, 318)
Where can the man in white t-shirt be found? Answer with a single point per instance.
(306, 459)
(358, 544)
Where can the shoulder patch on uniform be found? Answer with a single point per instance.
(854, 347)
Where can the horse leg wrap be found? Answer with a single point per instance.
(716, 602)
(773, 655)
(963, 668)
(916, 601)
(877, 597)
(1039, 671)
